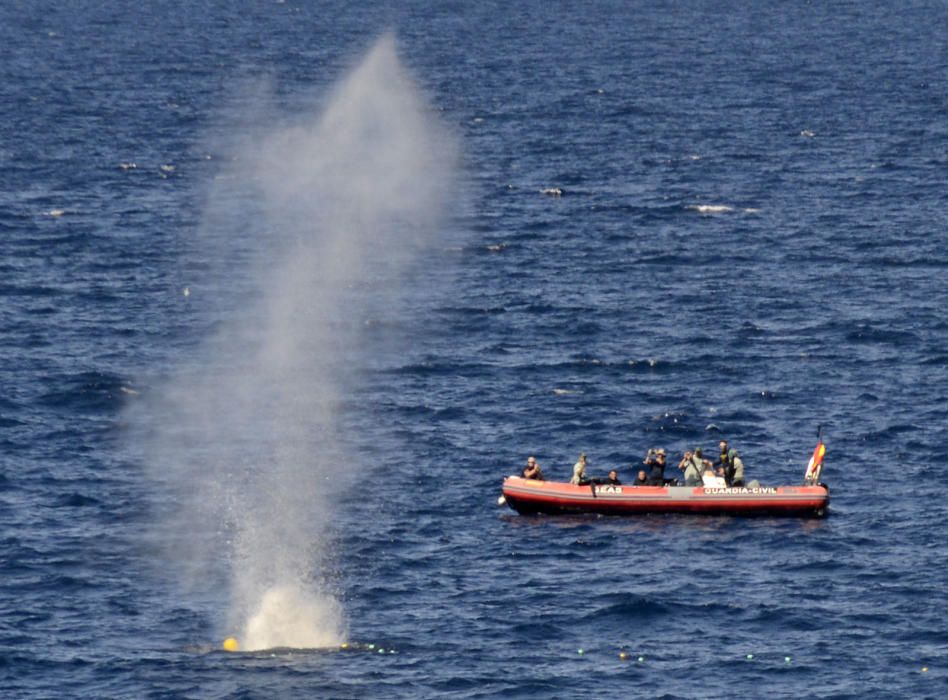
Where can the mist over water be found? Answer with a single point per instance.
(328, 214)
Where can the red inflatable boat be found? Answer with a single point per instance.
(528, 496)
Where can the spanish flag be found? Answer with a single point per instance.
(815, 465)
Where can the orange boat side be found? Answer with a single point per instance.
(531, 496)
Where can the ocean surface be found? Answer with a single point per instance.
(239, 348)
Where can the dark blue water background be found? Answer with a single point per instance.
(623, 314)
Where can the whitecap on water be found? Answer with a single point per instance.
(711, 208)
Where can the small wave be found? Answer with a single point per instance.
(76, 500)
(536, 630)
(31, 291)
(632, 607)
(552, 192)
(647, 364)
(711, 208)
(867, 333)
(9, 423)
(87, 391)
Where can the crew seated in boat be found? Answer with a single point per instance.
(611, 480)
(579, 471)
(641, 479)
(532, 470)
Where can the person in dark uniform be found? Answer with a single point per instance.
(656, 460)
(532, 470)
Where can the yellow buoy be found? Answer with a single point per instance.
(230, 644)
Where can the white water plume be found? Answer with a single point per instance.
(325, 214)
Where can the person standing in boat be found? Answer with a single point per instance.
(691, 465)
(656, 460)
(703, 464)
(708, 476)
(579, 471)
(737, 468)
(723, 466)
(532, 470)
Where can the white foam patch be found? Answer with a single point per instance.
(289, 617)
(711, 208)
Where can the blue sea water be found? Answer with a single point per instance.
(749, 242)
